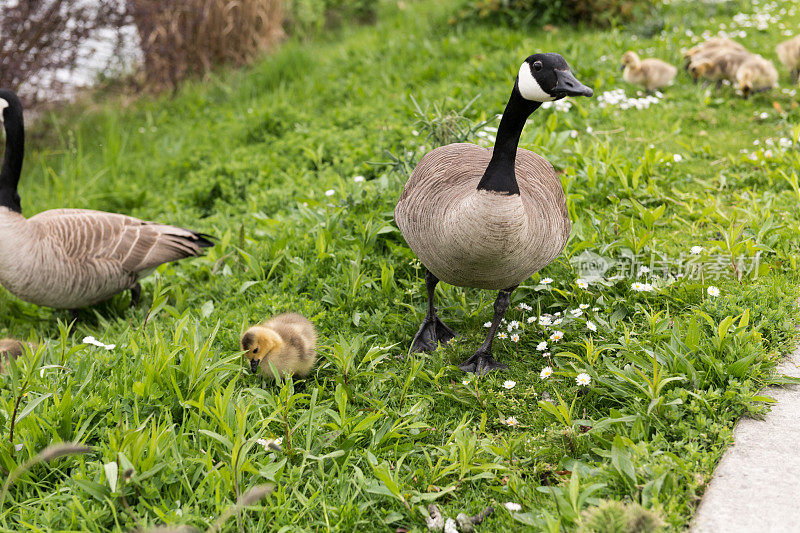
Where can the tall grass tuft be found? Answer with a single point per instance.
(188, 38)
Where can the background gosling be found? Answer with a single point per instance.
(11, 348)
(714, 42)
(789, 54)
(755, 75)
(288, 341)
(717, 64)
(650, 73)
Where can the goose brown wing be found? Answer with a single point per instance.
(135, 245)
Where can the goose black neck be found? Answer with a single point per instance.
(15, 148)
(499, 175)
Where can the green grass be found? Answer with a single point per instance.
(171, 413)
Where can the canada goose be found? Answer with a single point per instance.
(288, 341)
(789, 54)
(650, 73)
(717, 64)
(756, 74)
(489, 219)
(73, 258)
(11, 348)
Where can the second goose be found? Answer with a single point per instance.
(73, 258)
(486, 218)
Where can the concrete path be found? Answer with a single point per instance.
(756, 486)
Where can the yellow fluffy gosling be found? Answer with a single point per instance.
(755, 75)
(714, 42)
(650, 73)
(287, 341)
(789, 54)
(11, 348)
(717, 64)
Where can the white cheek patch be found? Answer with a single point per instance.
(529, 88)
(3, 104)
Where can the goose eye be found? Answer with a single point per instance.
(537, 66)
(255, 350)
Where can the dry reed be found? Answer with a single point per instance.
(181, 39)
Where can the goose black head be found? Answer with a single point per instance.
(547, 77)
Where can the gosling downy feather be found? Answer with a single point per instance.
(650, 73)
(489, 218)
(789, 54)
(755, 75)
(73, 258)
(288, 341)
(717, 64)
(713, 42)
(12, 348)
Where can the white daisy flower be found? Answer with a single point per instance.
(465, 382)
(576, 313)
(509, 384)
(270, 444)
(557, 336)
(487, 324)
(546, 355)
(330, 192)
(514, 324)
(542, 346)
(558, 321)
(712, 291)
(595, 309)
(525, 307)
(513, 507)
(358, 179)
(584, 306)
(643, 270)
(677, 158)
(512, 421)
(582, 283)
(696, 250)
(591, 326)
(546, 281)
(502, 335)
(531, 319)
(515, 337)
(546, 372)
(545, 321)
(583, 379)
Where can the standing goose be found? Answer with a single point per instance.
(73, 258)
(486, 218)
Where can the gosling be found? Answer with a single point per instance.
(756, 75)
(288, 341)
(650, 73)
(710, 44)
(11, 348)
(789, 54)
(718, 64)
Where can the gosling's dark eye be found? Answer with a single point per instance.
(537, 66)
(255, 350)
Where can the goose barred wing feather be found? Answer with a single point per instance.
(134, 244)
(73, 258)
(476, 238)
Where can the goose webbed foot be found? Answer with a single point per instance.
(136, 294)
(431, 333)
(481, 363)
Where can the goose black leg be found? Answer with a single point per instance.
(136, 293)
(482, 361)
(74, 313)
(432, 331)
